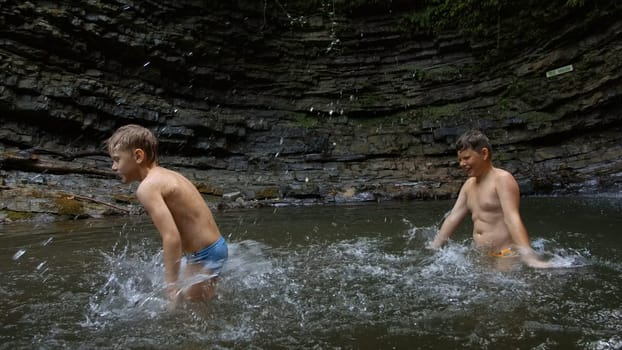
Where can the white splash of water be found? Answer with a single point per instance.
(19, 254)
(560, 257)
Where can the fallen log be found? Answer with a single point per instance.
(89, 199)
(26, 161)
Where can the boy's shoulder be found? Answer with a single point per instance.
(156, 177)
(503, 175)
(469, 182)
(161, 172)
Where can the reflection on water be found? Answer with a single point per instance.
(322, 277)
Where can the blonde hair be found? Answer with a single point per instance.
(132, 136)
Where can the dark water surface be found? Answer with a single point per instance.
(345, 277)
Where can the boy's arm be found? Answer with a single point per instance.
(151, 198)
(509, 196)
(451, 222)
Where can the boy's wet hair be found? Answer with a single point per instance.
(475, 140)
(130, 137)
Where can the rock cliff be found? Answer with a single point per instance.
(258, 105)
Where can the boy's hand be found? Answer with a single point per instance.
(531, 259)
(173, 293)
(431, 246)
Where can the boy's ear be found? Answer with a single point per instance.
(485, 153)
(139, 155)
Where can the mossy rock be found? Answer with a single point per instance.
(267, 193)
(124, 198)
(209, 189)
(11, 215)
(68, 205)
(305, 121)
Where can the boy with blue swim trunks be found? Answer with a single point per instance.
(178, 211)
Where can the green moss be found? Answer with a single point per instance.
(305, 121)
(68, 205)
(517, 88)
(206, 188)
(442, 73)
(537, 117)
(124, 198)
(56, 12)
(267, 193)
(18, 215)
(371, 100)
(373, 122)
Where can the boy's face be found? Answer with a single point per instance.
(472, 162)
(125, 164)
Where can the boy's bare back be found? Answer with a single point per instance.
(194, 220)
(177, 209)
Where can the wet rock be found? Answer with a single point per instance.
(231, 196)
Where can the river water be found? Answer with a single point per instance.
(335, 277)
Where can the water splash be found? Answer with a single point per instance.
(611, 343)
(19, 254)
(133, 288)
(560, 257)
(425, 233)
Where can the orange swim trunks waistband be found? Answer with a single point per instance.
(504, 253)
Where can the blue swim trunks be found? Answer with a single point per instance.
(213, 257)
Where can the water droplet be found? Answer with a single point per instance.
(19, 254)
(147, 63)
(277, 154)
(311, 109)
(330, 112)
(306, 179)
(47, 241)
(40, 266)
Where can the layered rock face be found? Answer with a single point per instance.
(260, 106)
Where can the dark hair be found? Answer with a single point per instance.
(132, 136)
(475, 140)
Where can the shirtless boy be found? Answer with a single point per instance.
(177, 209)
(492, 196)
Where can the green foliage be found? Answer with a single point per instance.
(502, 25)
(485, 16)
